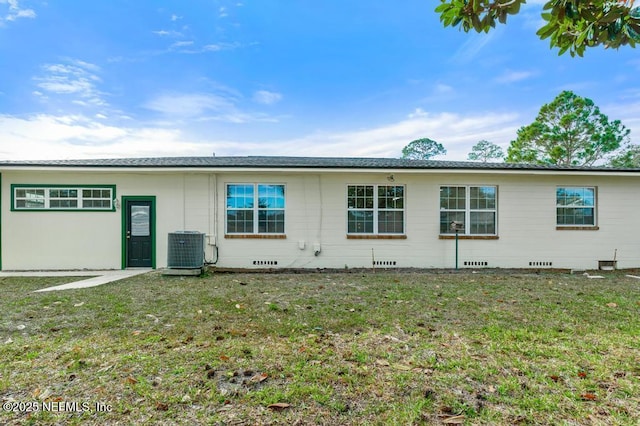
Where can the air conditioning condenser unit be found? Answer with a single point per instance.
(185, 250)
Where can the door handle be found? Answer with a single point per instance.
(128, 235)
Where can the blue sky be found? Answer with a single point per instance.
(143, 78)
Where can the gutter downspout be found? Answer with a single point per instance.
(212, 232)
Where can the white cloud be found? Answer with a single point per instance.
(442, 89)
(240, 117)
(628, 113)
(14, 11)
(216, 47)
(57, 137)
(510, 76)
(86, 65)
(456, 132)
(62, 85)
(474, 45)
(76, 79)
(223, 106)
(77, 136)
(166, 33)
(418, 112)
(266, 97)
(179, 44)
(190, 47)
(24, 13)
(190, 105)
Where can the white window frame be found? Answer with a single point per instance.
(468, 210)
(48, 197)
(256, 209)
(594, 207)
(376, 209)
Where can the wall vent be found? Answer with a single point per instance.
(476, 263)
(265, 262)
(185, 250)
(537, 264)
(385, 263)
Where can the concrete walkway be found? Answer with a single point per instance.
(98, 277)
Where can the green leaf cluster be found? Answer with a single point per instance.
(571, 25)
(479, 15)
(569, 131)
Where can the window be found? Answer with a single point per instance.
(575, 206)
(31, 197)
(255, 208)
(375, 209)
(472, 206)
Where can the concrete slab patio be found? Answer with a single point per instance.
(97, 277)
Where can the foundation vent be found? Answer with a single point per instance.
(385, 263)
(541, 264)
(265, 262)
(475, 263)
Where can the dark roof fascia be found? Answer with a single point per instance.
(252, 162)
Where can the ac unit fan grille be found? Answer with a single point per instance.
(185, 250)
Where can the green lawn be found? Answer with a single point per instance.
(324, 348)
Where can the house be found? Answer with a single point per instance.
(301, 212)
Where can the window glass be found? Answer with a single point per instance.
(446, 217)
(248, 202)
(391, 222)
(375, 209)
(472, 206)
(360, 222)
(271, 196)
(482, 197)
(30, 198)
(240, 196)
(239, 221)
(391, 197)
(63, 198)
(61, 204)
(452, 197)
(140, 221)
(482, 222)
(575, 206)
(360, 197)
(271, 221)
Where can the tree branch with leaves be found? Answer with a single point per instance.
(423, 149)
(629, 158)
(571, 25)
(485, 151)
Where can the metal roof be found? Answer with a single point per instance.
(267, 162)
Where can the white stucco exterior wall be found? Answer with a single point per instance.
(316, 216)
(61, 240)
(316, 213)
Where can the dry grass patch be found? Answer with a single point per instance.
(324, 348)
